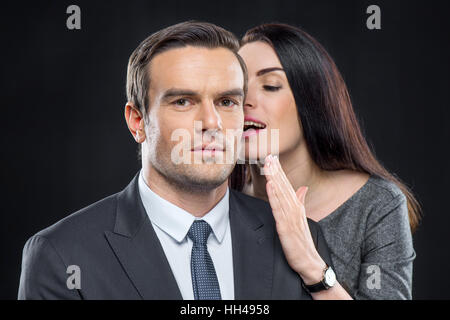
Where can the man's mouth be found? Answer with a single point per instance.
(208, 148)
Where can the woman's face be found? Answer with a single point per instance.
(269, 103)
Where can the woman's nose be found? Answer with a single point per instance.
(250, 100)
(248, 104)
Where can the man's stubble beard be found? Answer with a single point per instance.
(183, 177)
(191, 178)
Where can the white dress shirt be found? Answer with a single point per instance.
(171, 224)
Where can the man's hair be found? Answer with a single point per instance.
(189, 33)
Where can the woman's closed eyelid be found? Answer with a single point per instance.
(271, 87)
(271, 82)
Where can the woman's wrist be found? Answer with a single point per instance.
(314, 273)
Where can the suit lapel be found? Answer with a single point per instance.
(141, 255)
(253, 250)
(138, 249)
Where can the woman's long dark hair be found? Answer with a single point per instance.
(330, 127)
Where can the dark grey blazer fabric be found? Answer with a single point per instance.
(120, 257)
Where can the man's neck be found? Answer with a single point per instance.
(196, 203)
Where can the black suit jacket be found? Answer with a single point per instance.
(120, 257)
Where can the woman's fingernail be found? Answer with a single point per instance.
(275, 161)
(304, 195)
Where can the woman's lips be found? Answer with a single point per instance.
(251, 132)
(250, 118)
(254, 126)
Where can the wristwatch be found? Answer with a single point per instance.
(328, 281)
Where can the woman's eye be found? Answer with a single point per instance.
(271, 88)
(227, 102)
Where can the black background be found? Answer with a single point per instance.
(65, 143)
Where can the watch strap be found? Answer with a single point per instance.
(320, 286)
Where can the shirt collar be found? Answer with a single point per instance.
(175, 221)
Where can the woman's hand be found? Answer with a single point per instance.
(288, 209)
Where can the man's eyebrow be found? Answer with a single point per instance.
(232, 92)
(170, 93)
(174, 92)
(267, 70)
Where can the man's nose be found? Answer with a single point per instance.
(210, 117)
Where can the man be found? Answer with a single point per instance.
(176, 231)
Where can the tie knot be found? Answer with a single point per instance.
(199, 232)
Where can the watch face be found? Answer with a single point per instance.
(330, 277)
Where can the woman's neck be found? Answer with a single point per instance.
(327, 190)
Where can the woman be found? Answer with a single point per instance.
(366, 214)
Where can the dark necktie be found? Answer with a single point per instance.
(204, 278)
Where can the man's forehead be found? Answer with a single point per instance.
(195, 66)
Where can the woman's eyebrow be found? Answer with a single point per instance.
(267, 70)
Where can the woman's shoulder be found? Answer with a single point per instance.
(378, 204)
(375, 191)
(375, 197)
(387, 200)
(375, 215)
(384, 189)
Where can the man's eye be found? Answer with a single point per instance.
(227, 103)
(271, 88)
(182, 102)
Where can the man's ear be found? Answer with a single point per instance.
(135, 122)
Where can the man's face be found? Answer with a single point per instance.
(195, 102)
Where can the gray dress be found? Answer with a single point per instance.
(370, 242)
